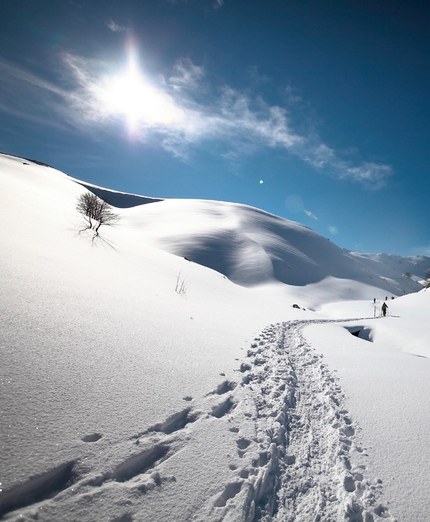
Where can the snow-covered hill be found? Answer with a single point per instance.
(253, 247)
(137, 385)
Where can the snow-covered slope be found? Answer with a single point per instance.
(126, 399)
(253, 247)
(405, 328)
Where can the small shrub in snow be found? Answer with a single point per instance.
(180, 287)
(96, 212)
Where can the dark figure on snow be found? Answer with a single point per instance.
(384, 309)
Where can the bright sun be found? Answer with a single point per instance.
(130, 95)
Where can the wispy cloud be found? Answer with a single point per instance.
(116, 28)
(181, 111)
(322, 157)
(186, 76)
(29, 97)
(17, 75)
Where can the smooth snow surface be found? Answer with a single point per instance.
(137, 385)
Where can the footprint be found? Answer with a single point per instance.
(380, 511)
(244, 367)
(243, 443)
(230, 491)
(223, 408)
(93, 437)
(138, 464)
(349, 484)
(247, 379)
(349, 431)
(290, 460)
(38, 488)
(263, 459)
(174, 423)
(224, 387)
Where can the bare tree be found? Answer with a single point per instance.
(96, 212)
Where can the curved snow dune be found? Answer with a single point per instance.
(252, 247)
(278, 440)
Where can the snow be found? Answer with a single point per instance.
(389, 400)
(125, 400)
(405, 327)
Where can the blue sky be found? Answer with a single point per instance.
(317, 111)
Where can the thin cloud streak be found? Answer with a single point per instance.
(172, 111)
(116, 28)
(38, 120)
(9, 71)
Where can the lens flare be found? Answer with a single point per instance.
(131, 96)
(294, 204)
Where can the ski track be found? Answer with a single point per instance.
(297, 457)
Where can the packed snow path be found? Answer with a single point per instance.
(305, 434)
(291, 453)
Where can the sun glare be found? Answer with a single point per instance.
(130, 95)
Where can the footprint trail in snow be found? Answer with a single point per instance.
(292, 453)
(303, 463)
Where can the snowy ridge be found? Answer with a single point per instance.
(118, 199)
(253, 247)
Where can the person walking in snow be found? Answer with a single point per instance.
(384, 309)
